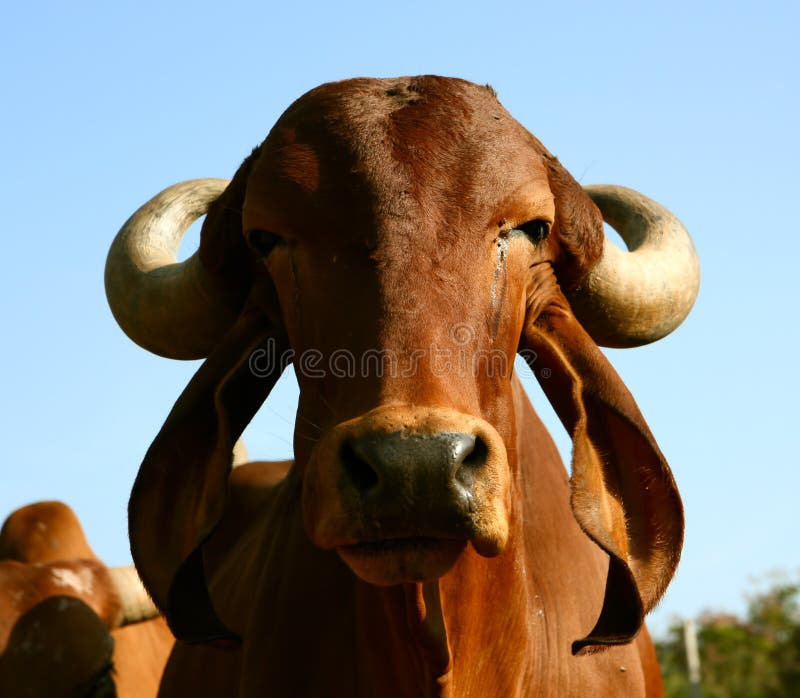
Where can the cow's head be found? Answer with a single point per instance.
(404, 240)
(58, 606)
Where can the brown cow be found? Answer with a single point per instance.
(70, 626)
(400, 241)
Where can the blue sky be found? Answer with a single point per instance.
(104, 104)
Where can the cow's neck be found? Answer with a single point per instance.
(401, 634)
(435, 640)
(440, 639)
(443, 634)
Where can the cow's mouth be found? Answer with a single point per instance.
(402, 560)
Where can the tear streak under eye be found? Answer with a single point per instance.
(499, 283)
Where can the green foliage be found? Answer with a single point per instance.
(753, 657)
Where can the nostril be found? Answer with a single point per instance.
(361, 473)
(476, 457)
(460, 445)
(471, 463)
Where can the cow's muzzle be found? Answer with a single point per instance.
(400, 492)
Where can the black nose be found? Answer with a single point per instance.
(409, 472)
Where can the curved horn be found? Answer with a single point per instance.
(636, 297)
(137, 605)
(170, 308)
(240, 453)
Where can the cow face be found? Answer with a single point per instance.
(404, 305)
(60, 607)
(398, 241)
(60, 647)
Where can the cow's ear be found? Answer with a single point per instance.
(180, 491)
(578, 227)
(223, 249)
(622, 491)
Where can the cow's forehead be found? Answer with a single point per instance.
(346, 155)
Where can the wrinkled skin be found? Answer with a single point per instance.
(60, 614)
(417, 219)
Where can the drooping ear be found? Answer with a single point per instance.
(622, 491)
(223, 250)
(180, 491)
(578, 226)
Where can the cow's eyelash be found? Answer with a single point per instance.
(535, 230)
(263, 241)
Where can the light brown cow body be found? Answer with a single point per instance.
(426, 540)
(313, 629)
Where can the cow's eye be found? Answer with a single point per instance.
(536, 230)
(262, 241)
